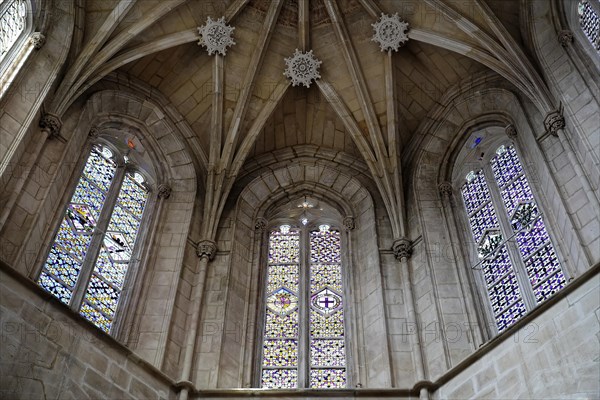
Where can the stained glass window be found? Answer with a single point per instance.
(515, 217)
(304, 288)
(536, 249)
(94, 244)
(589, 20)
(499, 275)
(12, 24)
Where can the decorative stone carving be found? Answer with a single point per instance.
(37, 40)
(302, 68)
(51, 124)
(510, 131)
(349, 223)
(164, 191)
(445, 189)
(206, 248)
(216, 36)
(402, 249)
(94, 132)
(261, 224)
(390, 32)
(554, 121)
(565, 37)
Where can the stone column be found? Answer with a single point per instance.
(466, 284)
(402, 249)
(206, 250)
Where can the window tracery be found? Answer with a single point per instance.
(93, 248)
(304, 329)
(511, 238)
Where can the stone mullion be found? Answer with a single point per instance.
(304, 311)
(87, 266)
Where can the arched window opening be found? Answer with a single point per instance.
(12, 24)
(518, 260)
(93, 248)
(589, 21)
(16, 25)
(304, 335)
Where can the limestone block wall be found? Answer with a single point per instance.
(49, 352)
(554, 355)
(564, 74)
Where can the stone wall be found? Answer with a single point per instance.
(555, 355)
(49, 352)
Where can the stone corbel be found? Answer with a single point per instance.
(402, 249)
(511, 131)
(37, 40)
(445, 189)
(261, 224)
(554, 121)
(164, 191)
(51, 125)
(349, 223)
(206, 248)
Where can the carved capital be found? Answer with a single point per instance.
(164, 191)
(402, 249)
(554, 121)
(510, 131)
(206, 248)
(37, 40)
(565, 37)
(50, 124)
(349, 223)
(445, 189)
(261, 224)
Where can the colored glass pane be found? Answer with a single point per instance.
(55, 287)
(322, 276)
(95, 317)
(281, 326)
(75, 232)
(327, 325)
(282, 276)
(280, 353)
(326, 333)
(281, 329)
(12, 24)
(327, 353)
(284, 248)
(589, 20)
(324, 309)
(79, 226)
(327, 378)
(532, 238)
(279, 378)
(501, 282)
(325, 247)
(110, 269)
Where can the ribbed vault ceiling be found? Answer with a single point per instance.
(368, 104)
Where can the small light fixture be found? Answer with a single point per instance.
(324, 228)
(285, 229)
